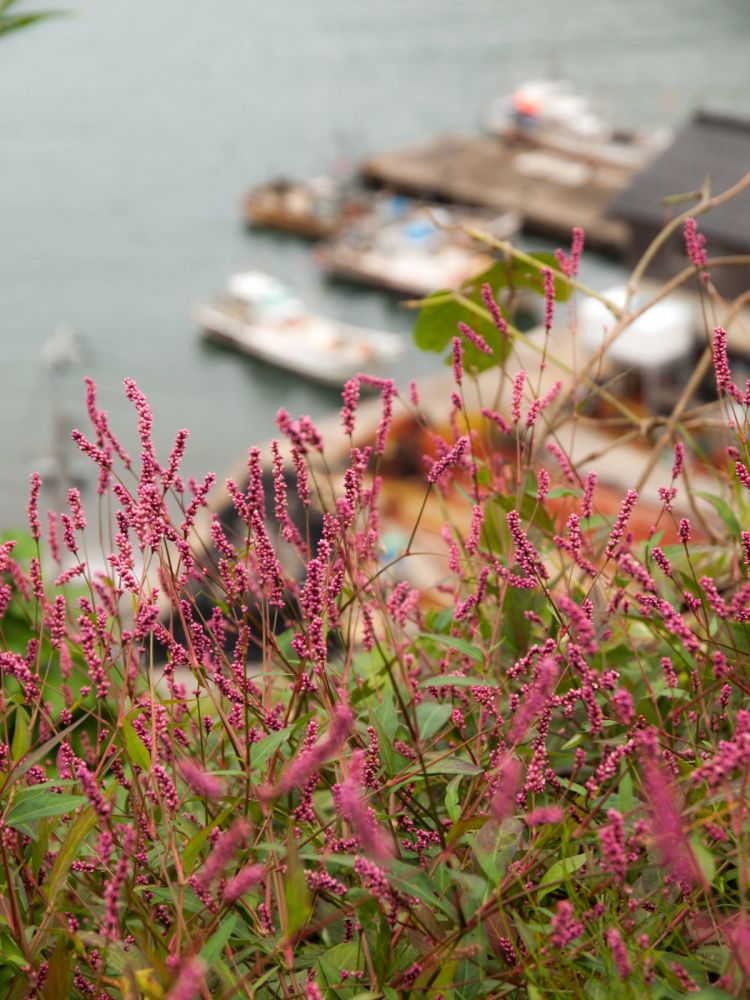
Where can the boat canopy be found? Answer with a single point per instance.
(660, 337)
(265, 295)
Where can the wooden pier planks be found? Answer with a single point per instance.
(553, 193)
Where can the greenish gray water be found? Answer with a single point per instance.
(129, 131)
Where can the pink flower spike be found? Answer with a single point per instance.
(205, 784)
(506, 785)
(350, 396)
(190, 981)
(695, 245)
(243, 882)
(517, 396)
(494, 310)
(32, 508)
(619, 953)
(569, 264)
(549, 297)
(500, 422)
(563, 461)
(475, 338)
(352, 806)
(451, 458)
(458, 361)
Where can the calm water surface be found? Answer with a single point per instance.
(129, 131)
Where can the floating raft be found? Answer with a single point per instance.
(551, 191)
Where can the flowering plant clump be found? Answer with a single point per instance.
(250, 757)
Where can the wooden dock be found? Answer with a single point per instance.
(552, 192)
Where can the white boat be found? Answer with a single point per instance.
(259, 316)
(659, 346)
(412, 248)
(549, 114)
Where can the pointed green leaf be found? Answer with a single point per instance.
(558, 872)
(431, 717)
(135, 747)
(456, 643)
(30, 805)
(213, 948)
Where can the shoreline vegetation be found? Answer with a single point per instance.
(264, 759)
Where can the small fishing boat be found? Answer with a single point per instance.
(412, 248)
(317, 208)
(260, 316)
(549, 114)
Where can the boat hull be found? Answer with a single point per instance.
(359, 350)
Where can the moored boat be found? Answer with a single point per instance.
(549, 114)
(413, 248)
(317, 208)
(259, 316)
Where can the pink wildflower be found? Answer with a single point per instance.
(190, 981)
(695, 245)
(517, 396)
(619, 953)
(458, 361)
(549, 297)
(565, 928)
(569, 264)
(506, 784)
(667, 828)
(351, 806)
(304, 765)
(243, 882)
(475, 338)
(32, 508)
(205, 784)
(494, 310)
(626, 509)
(587, 503)
(224, 852)
(544, 816)
(536, 699)
(451, 458)
(563, 461)
(350, 395)
(612, 840)
(679, 459)
(496, 419)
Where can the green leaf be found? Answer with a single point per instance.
(386, 714)
(451, 765)
(67, 854)
(56, 986)
(261, 751)
(31, 805)
(431, 717)
(494, 847)
(333, 960)
(456, 643)
(723, 509)
(33, 758)
(213, 948)
(296, 893)
(705, 860)
(452, 806)
(135, 747)
(558, 872)
(193, 847)
(21, 738)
